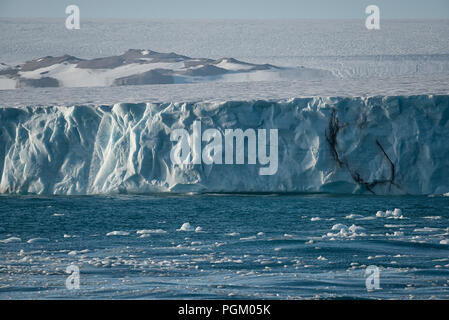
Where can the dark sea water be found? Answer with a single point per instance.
(247, 246)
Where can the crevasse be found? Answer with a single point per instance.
(377, 145)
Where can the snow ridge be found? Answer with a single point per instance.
(374, 145)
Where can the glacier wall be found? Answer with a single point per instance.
(378, 145)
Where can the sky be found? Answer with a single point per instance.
(228, 9)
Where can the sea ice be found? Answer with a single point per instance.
(151, 231)
(11, 239)
(38, 240)
(186, 227)
(395, 214)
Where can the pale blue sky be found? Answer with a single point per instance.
(228, 9)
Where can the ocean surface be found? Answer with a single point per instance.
(272, 246)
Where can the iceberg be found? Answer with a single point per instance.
(374, 145)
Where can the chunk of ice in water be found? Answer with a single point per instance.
(186, 227)
(38, 240)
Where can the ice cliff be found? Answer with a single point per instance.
(378, 145)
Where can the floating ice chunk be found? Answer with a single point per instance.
(354, 216)
(339, 226)
(70, 236)
(399, 225)
(186, 227)
(321, 258)
(260, 234)
(315, 219)
(151, 231)
(380, 214)
(445, 241)
(73, 253)
(345, 232)
(198, 229)
(432, 217)
(355, 228)
(58, 214)
(379, 256)
(233, 234)
(426, 229)
(11, 239)
(248, 238)
(395, 214)
(395, 234)
(38, 240)
(117, 233)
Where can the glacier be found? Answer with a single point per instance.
(375, 145)
(143, 67)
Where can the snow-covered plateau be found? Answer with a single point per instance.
(374, 145)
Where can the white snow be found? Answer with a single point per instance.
(232, 66)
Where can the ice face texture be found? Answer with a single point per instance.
(380, 145)
(143, 67)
